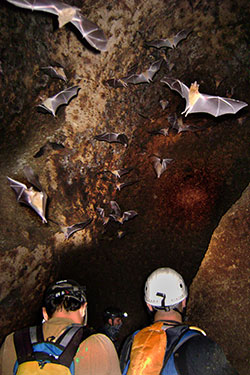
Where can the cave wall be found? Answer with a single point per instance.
(219, 294)
(178, 212)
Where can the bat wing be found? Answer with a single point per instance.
(216, 105)
(165, 163)
(122, 138)
(90, 31)
(54, 7)
(116, 208)
(177, 85)
(107, 137)
(19, 189)
(113, 82)
(127, 215)
(76, 227)
(153, 69)
(160, 43)
(52, 72)
(135, 78)
(63, 97)
(32, 177)
(34, 199)
(180, 36)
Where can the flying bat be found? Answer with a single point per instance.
(197, 102)
(121, 185)
(144, 77)
(160, 165)
(63, 97)
(120, 172)
(101, 212)
(55, 72)
(113, 138)
(178, 125)
(115, 82)
(164, 103)
(48, 146)
(117, 216)
(68, 231)
(163, 131)
(35, 199)
(169, 42)
(66, 13)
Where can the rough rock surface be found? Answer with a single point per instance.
(219, 294)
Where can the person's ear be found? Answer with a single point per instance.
(184, 303)
(83, 309)
(150, 307)
(45, 315)
(110, 321)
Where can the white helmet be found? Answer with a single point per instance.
(165, 288)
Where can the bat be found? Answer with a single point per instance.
(121, 234)
(160, 165)
(169, 42)
(66, 13)
(163, 131)
(48, 146)
(144, 77)
(114, 82)
(35, 199)
(197, 102)
(164, 103)
(117, 216)
(101, 212)
(121, 185)
(113, 138)
(63, 97)
(118, 173)
(68, 231)
(55, 72)
(178, 125)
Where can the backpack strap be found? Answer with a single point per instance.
(23, 345)
(184, 337)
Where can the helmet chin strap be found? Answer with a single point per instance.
(182, 313)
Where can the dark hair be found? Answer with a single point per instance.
(64, 294)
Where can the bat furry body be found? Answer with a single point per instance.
(63, 97)
(160, 165)
(169, 42)
(35, 199)
(66, 13)
(113, 138)
(197, 102)
(163, 131)
(121, 185)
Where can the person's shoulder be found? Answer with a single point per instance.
(98, 339)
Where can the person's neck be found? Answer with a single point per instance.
(171, 315)
(72, 315)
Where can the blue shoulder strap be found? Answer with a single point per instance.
(168, 363)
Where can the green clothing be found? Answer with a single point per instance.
(96, 355)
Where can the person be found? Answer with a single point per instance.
(65, 305)
(168, 345)
(113, 321)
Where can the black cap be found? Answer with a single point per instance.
(113, 312)
(67, 289)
